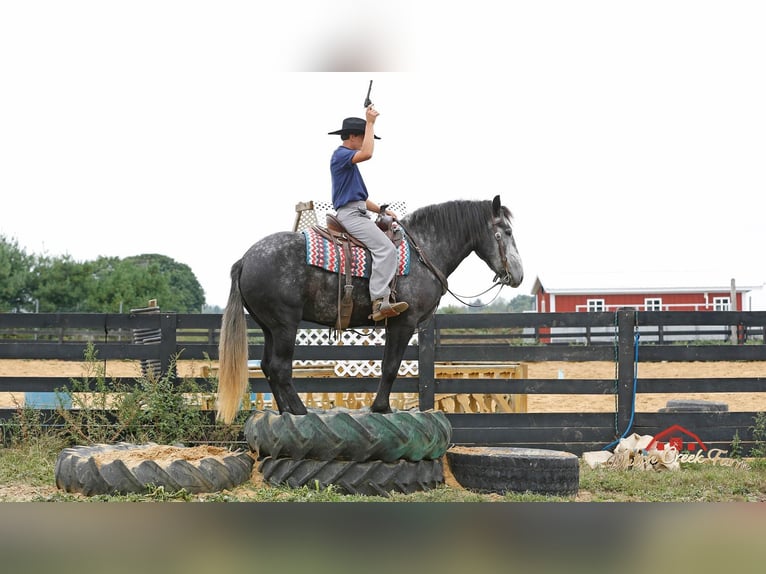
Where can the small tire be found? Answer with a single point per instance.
(694, 405)
(349, 435)
(507, 469)
(78, 470)
(371, 478)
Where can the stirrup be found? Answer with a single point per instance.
(384, 309)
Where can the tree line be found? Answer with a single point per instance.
(31, 283)
(519, 304)
(46, 284)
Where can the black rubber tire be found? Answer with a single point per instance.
(371, 478)
(349, 435)
(507, 469)
(693, 405)
(76, 470)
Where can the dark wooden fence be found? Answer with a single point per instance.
(627, 337)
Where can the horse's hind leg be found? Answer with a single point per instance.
(268, 350)
(280, 371)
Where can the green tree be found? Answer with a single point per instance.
(116, 285)
(15, 277)
(107, 285)
(61, 284)
(521, 303)
(185, 294)
(518, 304)
(120, 285)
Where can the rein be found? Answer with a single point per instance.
(488, 303)
(443, 279)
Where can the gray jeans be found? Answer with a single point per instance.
(354, 218)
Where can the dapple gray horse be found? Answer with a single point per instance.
(278, 289)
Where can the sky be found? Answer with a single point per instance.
(623, 136)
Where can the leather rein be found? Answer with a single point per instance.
(443, 279)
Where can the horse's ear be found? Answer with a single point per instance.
(496, 206)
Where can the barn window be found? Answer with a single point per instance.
(653, 304)
(596, 305)
(721, 303)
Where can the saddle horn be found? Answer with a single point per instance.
(384, 221)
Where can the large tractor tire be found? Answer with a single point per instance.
(349, 435)
(506, 469)
(136, 468)
(371, 478)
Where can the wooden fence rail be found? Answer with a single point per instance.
(448, 339)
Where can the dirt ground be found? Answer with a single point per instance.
(645, 402)
(74, 369)
(741, 402)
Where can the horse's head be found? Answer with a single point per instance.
(501, 253)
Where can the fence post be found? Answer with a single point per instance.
(168, 326)
(426, 368)
(149, 367)
(626, 322)
(164, 337)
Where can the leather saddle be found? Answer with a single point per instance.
(342, 239)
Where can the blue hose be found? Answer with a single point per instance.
(633, 402)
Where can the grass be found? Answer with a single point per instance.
(26, 473)
(693, 483)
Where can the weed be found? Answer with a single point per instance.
(159, 409)
(27, 425)
(736, 445)
(758, 431)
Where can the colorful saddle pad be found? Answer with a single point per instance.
(320, 252)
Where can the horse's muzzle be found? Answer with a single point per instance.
(508, 279)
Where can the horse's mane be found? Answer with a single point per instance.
(457, 214)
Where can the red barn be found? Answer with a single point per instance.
(671, 291)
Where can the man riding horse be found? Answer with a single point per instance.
(279, 288)
(351, 202)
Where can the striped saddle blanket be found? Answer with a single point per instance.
(320, 252)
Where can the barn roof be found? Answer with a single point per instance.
(639, 282)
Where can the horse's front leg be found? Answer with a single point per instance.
(396, 344)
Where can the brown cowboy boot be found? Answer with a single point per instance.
(384, 309)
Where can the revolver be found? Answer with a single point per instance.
(367, 101)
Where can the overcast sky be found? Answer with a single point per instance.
(623, 136)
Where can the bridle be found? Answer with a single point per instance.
(503, 258)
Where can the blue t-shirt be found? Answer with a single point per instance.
(347, 182)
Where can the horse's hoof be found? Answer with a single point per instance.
(386, 409)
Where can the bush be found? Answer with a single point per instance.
(160, 409)
(759, 436)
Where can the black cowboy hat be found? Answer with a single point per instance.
(351, 126)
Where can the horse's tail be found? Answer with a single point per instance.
(232, 353)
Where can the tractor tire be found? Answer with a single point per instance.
(506, 469)
(78, 469)
(371, 478)
(693, 405)
(356, 436)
